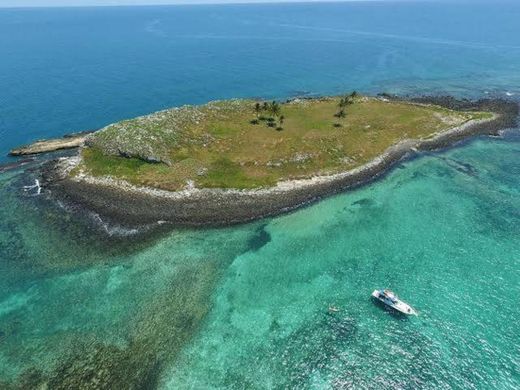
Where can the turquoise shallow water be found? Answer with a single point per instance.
(247, 306)
(71, 69)
(446, 238)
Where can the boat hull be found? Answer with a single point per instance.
(398, 305)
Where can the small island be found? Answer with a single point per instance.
(233, 161)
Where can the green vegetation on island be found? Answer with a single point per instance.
(249, 144)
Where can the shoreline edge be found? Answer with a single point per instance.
(122, 203)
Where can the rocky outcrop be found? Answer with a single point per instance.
(50, 145)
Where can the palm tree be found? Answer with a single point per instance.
(258, 108)
(274, 108)
(265, 106)
(341, 114)
(281, 120)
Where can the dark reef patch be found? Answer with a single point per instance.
(260, 239)
(460, 166)
(157, 334)
(365, 202)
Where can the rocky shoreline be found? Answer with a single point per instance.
(69, 141)
(125, 204)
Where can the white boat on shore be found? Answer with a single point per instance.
(390, 299)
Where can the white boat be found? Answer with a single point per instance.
(390, 299)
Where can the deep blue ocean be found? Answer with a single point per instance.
(246, 307)
(64, 70)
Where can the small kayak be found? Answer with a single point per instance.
(390, 299)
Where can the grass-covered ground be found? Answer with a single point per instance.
(219, 145)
